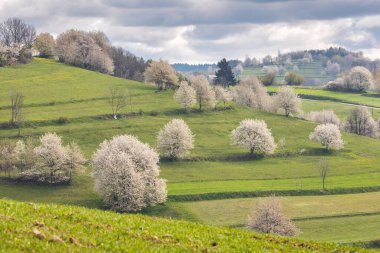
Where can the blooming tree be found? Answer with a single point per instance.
(255, 136)
(49, 162)
(7, 156)
(45, 44)
(126, 174)
(85, 49)
(287, 100)
(175, 139)
(74, 158)
(361, 122)
(25, 156)
(357, 79)
(205, 93)
(328, 135)
(270, 219)
(185, 95)
(161, 74)
(222, 95)
(324, 117)
(250, 92)
(52, 157)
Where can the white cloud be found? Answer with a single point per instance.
(205, 31)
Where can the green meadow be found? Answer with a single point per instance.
(215, 171)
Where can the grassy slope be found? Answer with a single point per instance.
(368, 99)
(340, 218)
(342, 110)
(313, 70)
(50, 228)
(212, 131)
(214, 167)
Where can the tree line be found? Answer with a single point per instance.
(90, 50)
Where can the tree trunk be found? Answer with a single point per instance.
(323, 184)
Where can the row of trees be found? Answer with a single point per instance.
(250, 92)
(49, 162)
(359, 121)
(175, 139)
(357, 79)
(162, 74)
(90, 50)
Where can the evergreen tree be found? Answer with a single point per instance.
(224, 75)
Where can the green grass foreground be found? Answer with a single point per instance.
(28, 227)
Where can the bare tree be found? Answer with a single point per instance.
(16, 31)
(17, 103)
(117, 99)
(130, 96)
(323, 170)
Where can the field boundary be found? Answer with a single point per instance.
(254, 194)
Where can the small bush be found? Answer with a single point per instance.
(63, 120)
(268, 79)
(154, 113)
(292, 78)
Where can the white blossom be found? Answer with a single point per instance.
(324, 117)
(287, 100)
(52, 156)
(185, 95)
(328, 135)
(126, 174)
(361, 122)
(222, 95)
(175, 140)
(255, 136)
(250, 92)
(161, 74)
(205, 92)
(270, 219)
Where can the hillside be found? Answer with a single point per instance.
(29, 227)
(216, 172)
(313, 72)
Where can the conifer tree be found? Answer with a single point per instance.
(224, 74)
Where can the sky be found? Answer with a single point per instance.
(204, 31)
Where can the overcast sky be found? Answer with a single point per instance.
(197, 31)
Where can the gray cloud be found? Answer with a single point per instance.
(203, 31)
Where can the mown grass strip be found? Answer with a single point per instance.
(253, 194)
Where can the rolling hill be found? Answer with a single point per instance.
(28, 227)
(215, 171)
